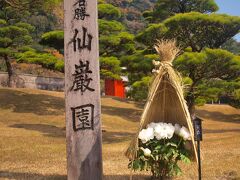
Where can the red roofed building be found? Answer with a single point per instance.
(115, 87)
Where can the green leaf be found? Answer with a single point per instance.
(171, 144)
(108, 11)
(53, 39)
(185, 159)
(177, 170)
(136, 164)
(5, 52)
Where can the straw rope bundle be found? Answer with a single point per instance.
(165, 102)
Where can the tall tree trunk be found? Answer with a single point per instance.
(9, 70)
(191, 104)
(190, 98)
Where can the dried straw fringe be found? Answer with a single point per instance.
(167, 50)
(165, 100)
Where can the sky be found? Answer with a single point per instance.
(231, 7)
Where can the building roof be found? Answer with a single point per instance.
(124, 78)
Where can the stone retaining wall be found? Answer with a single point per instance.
(33, 82)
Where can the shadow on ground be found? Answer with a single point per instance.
(216, 131)
(115, 137)
(218, 116)
(39, 104)
(126, 177)
(54, 131)
(46, 130)
(126, 113)
(33, 176)
(139, 104)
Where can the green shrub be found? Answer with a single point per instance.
(139, 90)
(200, 101)
(47, 60)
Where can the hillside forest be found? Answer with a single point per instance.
(31, 41)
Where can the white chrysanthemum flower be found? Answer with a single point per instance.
(164, 131)
(147, 152)
(177, 128)
(146, 134)
(152, 125)
(160, 123)
(170, 130)
(158, 131)
(142, 136)
(185, 134)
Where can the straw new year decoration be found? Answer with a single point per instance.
(165, 101)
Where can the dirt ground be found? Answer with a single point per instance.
(32, 137)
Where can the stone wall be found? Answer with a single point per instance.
(33, 82)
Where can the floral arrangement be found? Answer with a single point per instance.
(160, 147)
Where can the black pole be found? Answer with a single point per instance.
(199, 161)
(198, 137)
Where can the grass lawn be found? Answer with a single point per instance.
(32, 137)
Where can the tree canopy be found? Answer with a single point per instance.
(47, 60)
(202, 30)
(13, 36)
(114, 40)
(199, 33)
(53, 39)
(232, 45)
(31, 5)
(206, 66)
(108, 11)
(193, 30)
(138, 65)
(110, 67)
(163, 9)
